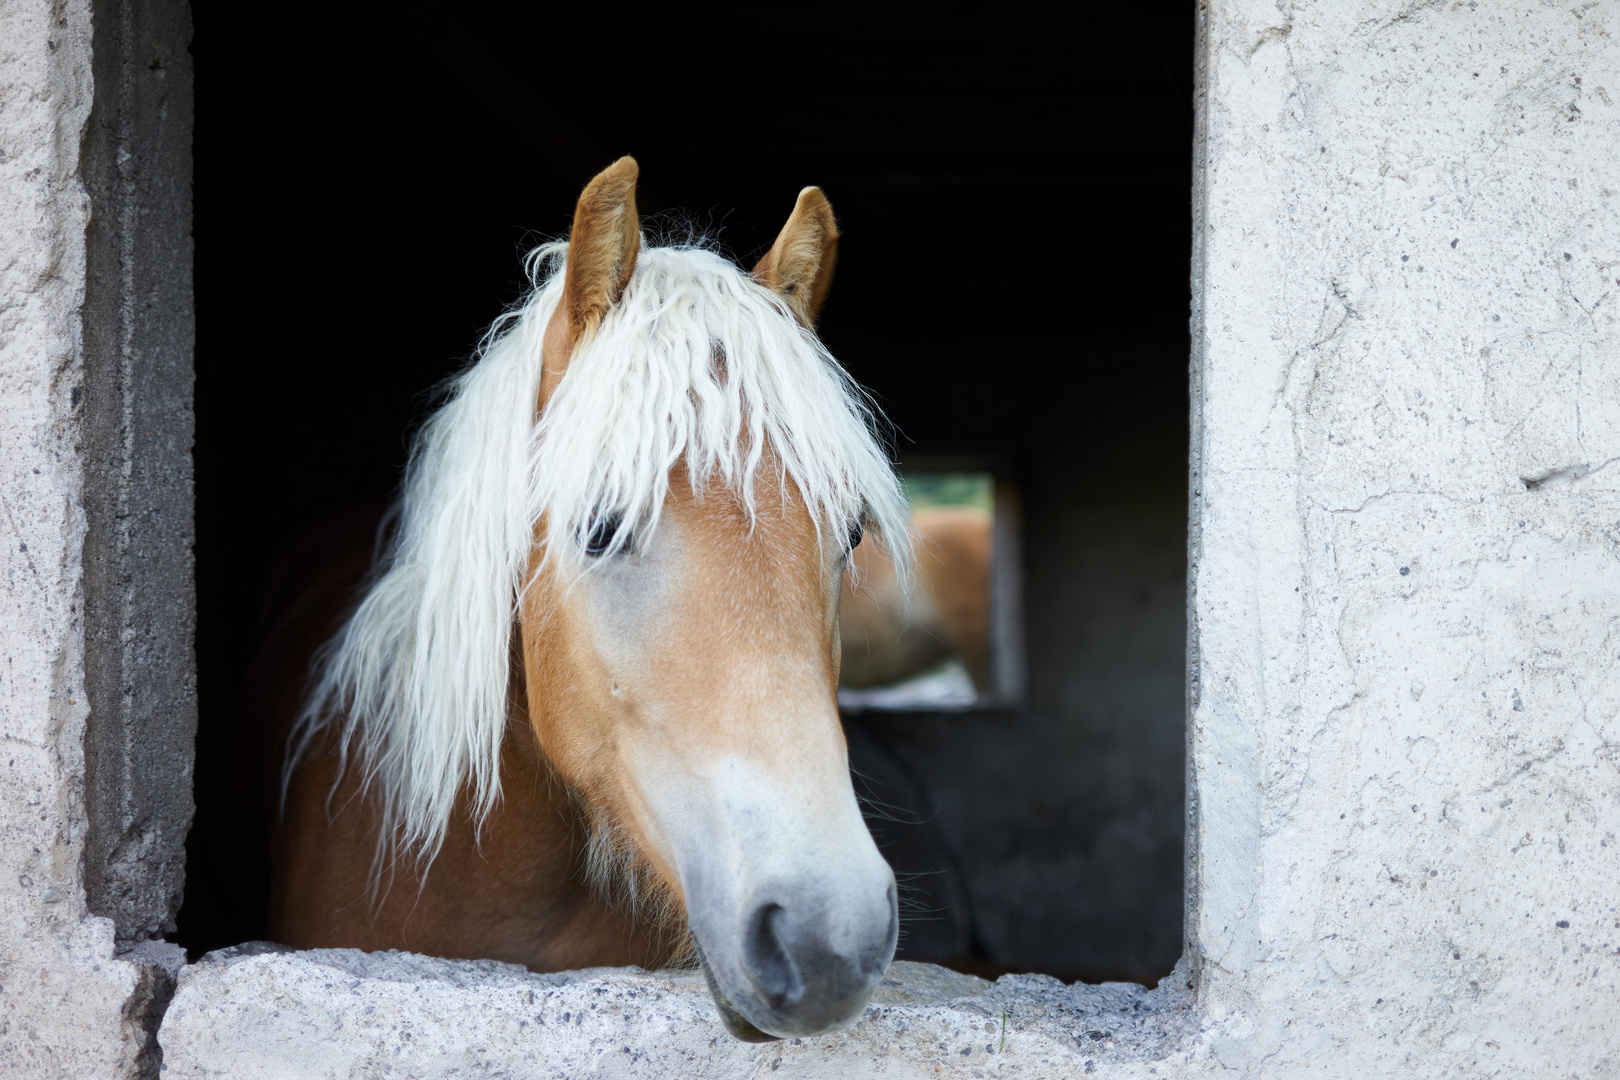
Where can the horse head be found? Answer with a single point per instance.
(679, 616)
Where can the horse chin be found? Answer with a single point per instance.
(735, 1022)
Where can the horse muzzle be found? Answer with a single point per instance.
(794, 964)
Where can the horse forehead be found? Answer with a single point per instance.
(772, 530)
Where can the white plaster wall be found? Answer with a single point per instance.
(61, 992)
(68, 1006)
(1406, 741)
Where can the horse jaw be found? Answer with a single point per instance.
(687, 690)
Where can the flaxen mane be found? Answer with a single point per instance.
(699, 362)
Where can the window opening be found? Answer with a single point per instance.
(1037, 822)
(946, 644)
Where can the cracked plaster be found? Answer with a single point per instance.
(1408, 597)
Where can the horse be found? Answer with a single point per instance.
(889, 633)
(584, 712)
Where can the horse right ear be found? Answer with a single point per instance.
(602, 246)
(799, 266)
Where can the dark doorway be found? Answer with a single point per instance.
(1014, 196)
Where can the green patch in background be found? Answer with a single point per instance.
(925, 490)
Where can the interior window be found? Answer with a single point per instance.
(930, 647)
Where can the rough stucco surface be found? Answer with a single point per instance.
(343, 1013)
(71, 1004)
(1407, 732)
(61, 992)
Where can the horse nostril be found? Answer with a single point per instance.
(766, 960)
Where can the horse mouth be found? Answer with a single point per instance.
(735, 1022)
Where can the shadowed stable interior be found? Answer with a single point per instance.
(1013, 192)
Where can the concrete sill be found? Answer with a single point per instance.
(264, 1011)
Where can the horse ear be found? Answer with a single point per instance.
(799, 265)
(602, 245)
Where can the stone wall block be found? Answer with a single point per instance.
(1408, 593)
(137, 433)
(76, 1000)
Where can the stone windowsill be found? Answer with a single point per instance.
(262, 1010)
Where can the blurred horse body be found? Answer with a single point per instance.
(890, 633)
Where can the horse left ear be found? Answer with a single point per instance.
(602, 248)
(799, 265)
(602, 245)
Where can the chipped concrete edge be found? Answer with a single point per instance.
(262, 1010)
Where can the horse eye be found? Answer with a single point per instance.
(602, 531)
(856, 532)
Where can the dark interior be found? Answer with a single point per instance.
(1013, 192)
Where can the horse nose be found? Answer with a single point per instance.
(806, 967)
(766, 960)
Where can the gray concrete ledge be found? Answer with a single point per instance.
(262, 1011)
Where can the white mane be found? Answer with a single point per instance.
(697, 360)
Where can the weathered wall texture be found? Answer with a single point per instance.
(137, 429)
(1407, 588)
(75, 1001)
(343, 1013)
